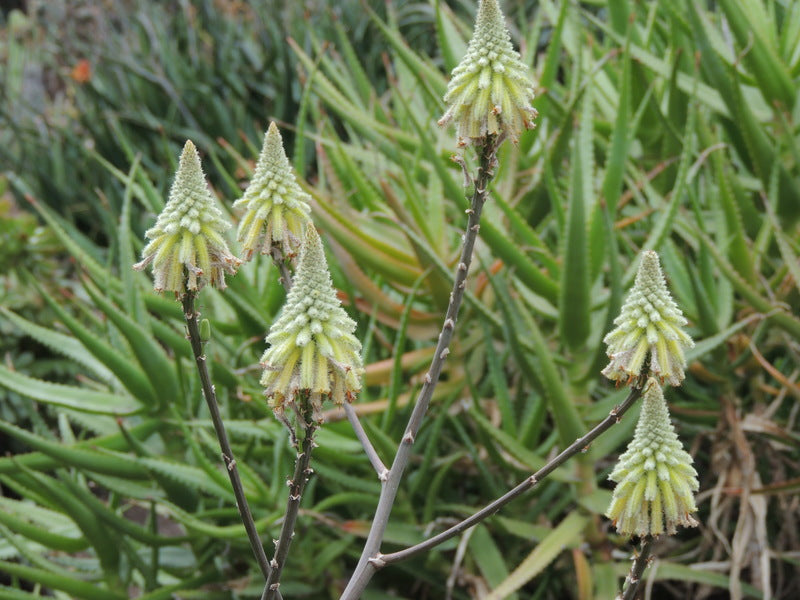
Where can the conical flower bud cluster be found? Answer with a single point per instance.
(312, 347)
(655, 478)
(276, 207)
(490, 91)
(187, 249)
(649, 326)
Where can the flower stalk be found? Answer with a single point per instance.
(297, 485)
(371, 559)
(634, 578)
(312, 357)
(576, 447)
(219, 427)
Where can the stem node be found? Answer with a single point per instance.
(377, 561)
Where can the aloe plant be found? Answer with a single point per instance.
(663, 128)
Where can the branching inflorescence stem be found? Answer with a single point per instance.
(369, 449)
(297, 485)
(640, 563)
(576, 447)
(371, 559)
(227, 453)
(279, 260)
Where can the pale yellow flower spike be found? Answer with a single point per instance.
(491, 90)
(276, 207)
(312, 347)
(655, 478)
(186, 247)
(650, 326)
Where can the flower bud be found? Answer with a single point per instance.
(187, 249)
(276, 207)
(655, 478)
(312, 347)
(650, 325)
(490, 91)
(205, 330)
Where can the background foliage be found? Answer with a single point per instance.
(672, 126)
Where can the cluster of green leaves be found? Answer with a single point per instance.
(664, 126)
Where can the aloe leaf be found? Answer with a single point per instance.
(16, 516)
(57, 495)
(497, 239)
(584, 575)
(429, 77)
(663, 224)
(422, 325)
(129, 374)
(710, 343)
(396, 379)
(75, 456)
(566, 534)
(177, 491)
(168, 592)
(7, 593)
(574, 317)
(400, 268)
(738, 251)
(499, 384)
(187, 475)
(83, 258)
(386, 136)
(748, 134)
(56, 394)
(447, 272)
(705, 310)
(433, 487)
(488, 558)
(605, 579)
(772, 75)
(777, 314)
(451, 44)
(338, 73)
(60, 343)
(532, 461)
(41, 461)
(103, 513)
(790, 259)
(620, 137)
(233, 533)
(80, 590)
(528, 236)
(157, 366)
(356, 71)
(552, 60)
(133, 302)
(350, 499)
(542, 368)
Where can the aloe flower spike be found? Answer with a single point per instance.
(186, 246)
(650, 325)
(312, 351)
(490, 91)
(655, 478)
(276, 208)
